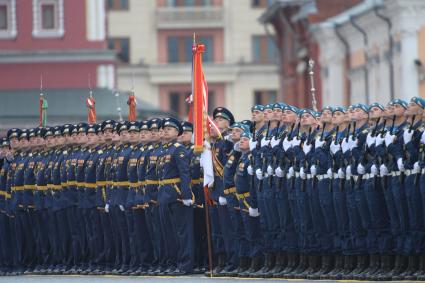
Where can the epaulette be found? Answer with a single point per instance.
(177, 144)
(65, 152)
(150, 147)
(100, 151)
(192, 146)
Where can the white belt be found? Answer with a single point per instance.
(368, 176)
(395, 173)
(423, 171)
(335, 176)
(297, 174)
(322, 177)
(309, 176)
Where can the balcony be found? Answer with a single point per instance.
(189, 17)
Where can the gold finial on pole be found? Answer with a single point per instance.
(312, 88)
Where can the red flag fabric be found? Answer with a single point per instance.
(200, 98)
(91, 110)
(132, 114)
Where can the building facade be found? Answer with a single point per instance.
(62, 41)
(153, 40)
(373, 52)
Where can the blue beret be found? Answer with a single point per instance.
(246, 134)
(279, 105)
(330, 108)
(258, 107)
(13, 133)
(398, 101)
(173, 122)
(292, 108)
(362, 106)
(419, 101)
(187, 126)
(376, 104)
(268, 106)
(340, 109)
(224, 113)
(247, 123)
(306, 111)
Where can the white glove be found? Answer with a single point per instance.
(253, 212)
(291, 171)
(270, 170)
(286, 144)
(236, 147)
(252, 145)
(360, 169)
(379, 140)
(374, 169)
(264, 142)
(329, 173)
(383, 170)
(279, 172)
(303, 175)
(348, 171)
(353, 142)
(370, 139)
(335, 147)
(416, 168)
(121, 207)
(107, 208)
(341, 173)
(313, 170)
(423, 138)
(389, 139)
(295, 142)
(222, 201)
(250, 170)
(345, 145)
(187, 202)
(407, 136)
(400, 164)
(259, 174)
(318, 143)
(274, 142)
(207, 144)
(307, 147)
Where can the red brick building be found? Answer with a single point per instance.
(291, 22)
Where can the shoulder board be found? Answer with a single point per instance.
(177, 144)
(150, 147)
(365, 130)
(192, 146)
(100, 151)
(65, 152)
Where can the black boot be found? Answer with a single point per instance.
(256, 264)
(280, 263)
(399, 266)
(221, 263)
(337, 268)
(420, 274)
(300, 267)
(244, 264)
(326, 265)
(292, 263)
(362, 264)
(349, 265)
(387, 265)
(374, 265)
(268, 266)
(411, 269)
(313, 266)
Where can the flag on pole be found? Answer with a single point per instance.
(43, 111)
(132, 102)
(91, 109)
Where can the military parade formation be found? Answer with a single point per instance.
(335, 194)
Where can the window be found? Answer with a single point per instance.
(261, 3)
(7, 19)
(48, 18)
(177, 102)
(264, 97)
(3, 17)
(263, 49)
(188, 3)
(118, 4)
(121, 47)
(179, 48)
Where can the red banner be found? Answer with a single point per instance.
(200, 98)
(132, 114)
(91, 110)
